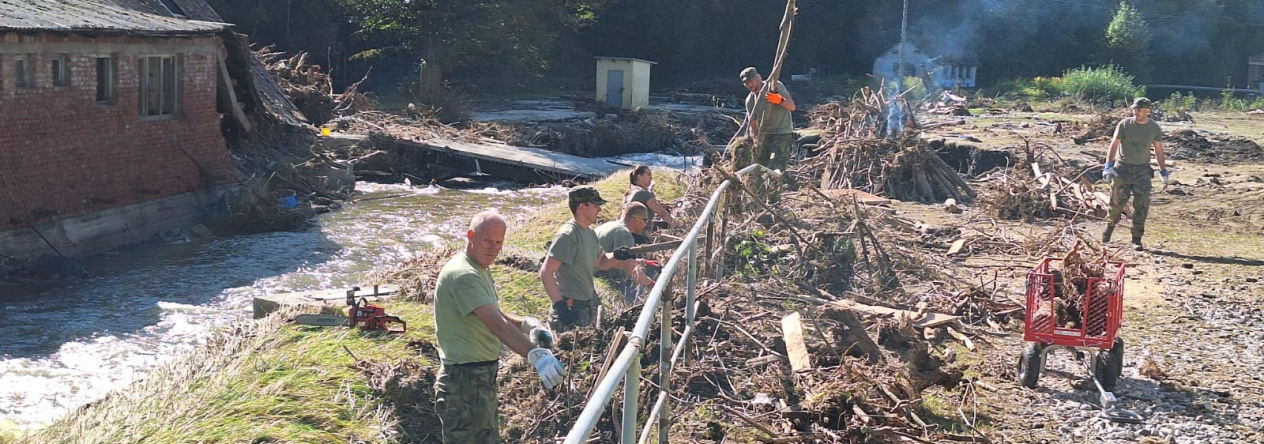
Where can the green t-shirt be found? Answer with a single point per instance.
(614, 235)
(1135, 140)
(642, 195)
(777, 119)
(577, 248)
(462, 287)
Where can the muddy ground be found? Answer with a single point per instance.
(1193, 364)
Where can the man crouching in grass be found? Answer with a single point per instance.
(472, 330)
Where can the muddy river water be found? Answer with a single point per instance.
(63, 345)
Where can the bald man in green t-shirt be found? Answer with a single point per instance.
(472, 330)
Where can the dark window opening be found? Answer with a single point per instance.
(158, 92)
(106, 83)
(22, 77)
(60, 68)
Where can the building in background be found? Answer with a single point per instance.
(623, 82)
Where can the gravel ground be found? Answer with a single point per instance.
(1193, 368)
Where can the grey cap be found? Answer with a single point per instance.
(1141, 102)
(749, 73)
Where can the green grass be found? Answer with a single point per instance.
(269, 381)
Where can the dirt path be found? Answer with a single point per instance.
(1193, 323)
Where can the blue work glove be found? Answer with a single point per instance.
(536, 332)
(1108, 171)
(1165, 175)
(549, 368)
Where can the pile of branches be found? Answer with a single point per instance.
(1078, 280)
(1032, 193)
(870, 115)
(1102, 127)
(903, 168)
(310, 87)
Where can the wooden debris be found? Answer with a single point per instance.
(956, 246)
(924, 321)
(792, 334)
(960, 337)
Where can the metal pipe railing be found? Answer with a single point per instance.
(628, 365)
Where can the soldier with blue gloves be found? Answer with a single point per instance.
(1128, 169)
(472, 330)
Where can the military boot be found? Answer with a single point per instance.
(1136, 244)
(1106, 234)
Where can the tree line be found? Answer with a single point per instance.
(507, 45)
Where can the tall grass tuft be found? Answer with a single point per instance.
(1100, 85)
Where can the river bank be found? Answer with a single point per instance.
(250, 379)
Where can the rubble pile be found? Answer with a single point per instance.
(1223, 150)
(637, 131)
(310, 87)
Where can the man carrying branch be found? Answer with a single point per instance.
(771, 129)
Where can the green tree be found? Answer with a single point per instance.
(1128, 40)
(508, 37)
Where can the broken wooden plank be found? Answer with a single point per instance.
(961, 337)
(792, 334)
(956, 246)
(923, 321)
(227, 84)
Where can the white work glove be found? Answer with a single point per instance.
(1164, 175)
(536, 332)
(1108, 171)
(549, 368)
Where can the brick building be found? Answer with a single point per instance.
(109, 131)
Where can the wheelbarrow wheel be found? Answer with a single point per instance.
(1029, 365)
(1110, 365)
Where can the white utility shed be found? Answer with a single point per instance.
(623, 82)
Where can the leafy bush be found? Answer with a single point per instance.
(1037, 88)
(1098, 85)
(1178, 102)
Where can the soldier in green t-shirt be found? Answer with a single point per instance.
(770, 125)
(472, 330)
(1128, 169)
(618, 234)
(575, 254)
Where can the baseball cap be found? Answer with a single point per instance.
(748, 74)
(1141, 102)
(586, 194)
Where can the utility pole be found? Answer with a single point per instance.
(899, 73)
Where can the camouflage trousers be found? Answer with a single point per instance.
(585, 313)
(772, 151)
(465, 398)
(1133, 181)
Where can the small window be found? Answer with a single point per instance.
(60, 67)
(106, 83)
(158, 79)
(22, 77)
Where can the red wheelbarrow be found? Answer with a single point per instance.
(1091, 329)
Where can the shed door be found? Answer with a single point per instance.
(614, 88)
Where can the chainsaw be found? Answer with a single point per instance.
(361, 313)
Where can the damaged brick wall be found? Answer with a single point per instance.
(63, 154)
